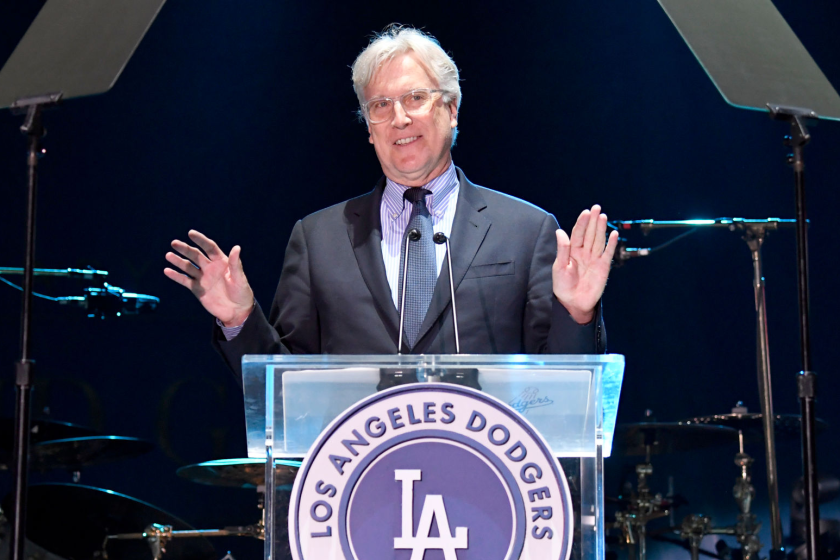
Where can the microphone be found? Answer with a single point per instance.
(111, 301)
(413, 235)
(440, 238)
(624, 253)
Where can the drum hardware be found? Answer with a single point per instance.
(230, 473)
(751, 424)
(649, 438)
(754, 234)
(642, 507)
(752, 429)
(660, 535)
(74, 521)
(43, 429)
(655, 438)
(73, 454)
(240, 473)
(102, 300)
(243, 473)
(62, 445)
(159, 536)
(697, 526)
(747, 527)
(693, 528)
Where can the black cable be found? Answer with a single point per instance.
(18, 288)
(673, 240)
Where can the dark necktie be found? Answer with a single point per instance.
(422, 269)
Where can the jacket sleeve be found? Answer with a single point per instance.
(292, 325)
(548, 327)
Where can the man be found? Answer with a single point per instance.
(521, 284)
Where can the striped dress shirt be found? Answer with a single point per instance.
(395, 211)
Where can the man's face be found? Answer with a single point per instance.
(425, 155)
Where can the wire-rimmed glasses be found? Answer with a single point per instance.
(414, 102)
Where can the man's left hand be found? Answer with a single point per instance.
(580, 272)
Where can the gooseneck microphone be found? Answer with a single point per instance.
(440, 238)
(413, 235)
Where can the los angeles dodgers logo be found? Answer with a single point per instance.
(433, 509)
(430, 472)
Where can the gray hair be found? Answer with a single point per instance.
(396, 40)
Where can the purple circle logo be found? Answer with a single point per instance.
(426, 502)
(430, 472)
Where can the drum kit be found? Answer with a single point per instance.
(735, 428)
(73, 521)
(642, 505)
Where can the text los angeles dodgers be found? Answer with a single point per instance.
(431, 468)
(497, 435)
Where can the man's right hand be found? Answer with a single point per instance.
(217, 280)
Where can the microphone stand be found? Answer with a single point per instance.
(44, 78)
(806, 380)
(413, 235)
(440, 238)
(87, 273)
(755, 231)
(754, 236)
(33, 128)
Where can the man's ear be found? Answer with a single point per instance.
(370, 137)
(453, 115)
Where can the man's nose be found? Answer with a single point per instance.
(401, 118)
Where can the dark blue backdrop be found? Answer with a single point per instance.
(239, 120)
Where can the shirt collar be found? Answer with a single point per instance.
(441, 187)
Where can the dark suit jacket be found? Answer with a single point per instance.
(333, 296)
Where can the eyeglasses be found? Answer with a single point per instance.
(415, 102)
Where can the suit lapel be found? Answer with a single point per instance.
(468, 232)
(365, 233)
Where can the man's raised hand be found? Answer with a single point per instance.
(580, 272)
(216, 279)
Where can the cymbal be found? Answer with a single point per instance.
(72, 521)
(42, 429)
(786, 426)
(668, 437)
(73, 454)
(239, 473)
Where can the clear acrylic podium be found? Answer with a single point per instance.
(572, 400)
